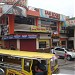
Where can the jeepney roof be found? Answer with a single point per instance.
(26, 54)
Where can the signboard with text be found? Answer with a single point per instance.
(38, 29)
(49, 14)
(71, 22)
(19, 37)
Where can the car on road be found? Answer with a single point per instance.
(61, 52)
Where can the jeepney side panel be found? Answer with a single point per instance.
(13, 71)
(24, 71)
(49, 67)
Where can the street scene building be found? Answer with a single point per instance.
(33, 29)
(32, 40)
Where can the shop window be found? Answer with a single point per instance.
(54, 28)
(42, 44)
(54, 43)
(63, 28)
(45, 22)
(70, 33)
(11, 60)
(24, 20)
(27, 64)
(63, 42)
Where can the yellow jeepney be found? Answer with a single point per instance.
(13, 62)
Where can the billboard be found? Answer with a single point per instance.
(16, 7)
(49, 14)
(7, 9)
(15, 2)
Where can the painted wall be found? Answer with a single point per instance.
(33, 11)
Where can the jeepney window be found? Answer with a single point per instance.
(0, 58)
(44, 64)
(27, 64)
(54, 62)
(12, 60)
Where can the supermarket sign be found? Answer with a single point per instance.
(17, 2)
(38, 29)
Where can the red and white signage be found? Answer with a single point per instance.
(52, 14)
(72, 22)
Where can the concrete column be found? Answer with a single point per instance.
(36, 21)
(74, 38)
(37, 44)
(11, 23)
(18, 44)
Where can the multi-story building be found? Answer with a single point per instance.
(35, 30)
(71, 33)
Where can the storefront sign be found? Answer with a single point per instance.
(32, 36)
(55, 40)
(19, 37)
(63, 17)
(71, 22)
(49, 14)
(38, 29)
(52, 14)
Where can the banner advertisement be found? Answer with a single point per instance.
(38, 29)
(17, 10)
(49, 14)
(71, 22)
(15, 2)
(20, 37)
(16, 7)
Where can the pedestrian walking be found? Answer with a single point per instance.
(65, 56)
(52, 50)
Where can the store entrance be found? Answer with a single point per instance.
(55, 44)
(70, 44)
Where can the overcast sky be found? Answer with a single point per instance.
(65, 7)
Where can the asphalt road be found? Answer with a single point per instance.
(66, 68)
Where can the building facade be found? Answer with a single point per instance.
(37, 30)
(71, 33)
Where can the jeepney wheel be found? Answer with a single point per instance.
(2, 72)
